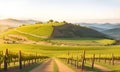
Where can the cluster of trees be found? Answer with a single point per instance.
(50, 21)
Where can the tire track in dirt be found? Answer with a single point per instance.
(62, 67)
(47, 66)
(30, 34)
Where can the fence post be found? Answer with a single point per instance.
(5, 60)
(77, 61)
(36, 58)
(1, 54)
(112, 59)
(105, 60)
(109, 60)
(71, 60)
(83, 59)
(20, 60)
(99, 57)
(24, 63)
(68, 58)
(93, 60)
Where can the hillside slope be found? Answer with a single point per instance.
(35, 32)
(115, 33)
(74, 31)
(38, 32)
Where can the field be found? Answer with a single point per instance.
(35, 39)
(35, 32)
(62, 51)
(59, 50)
(82, 41)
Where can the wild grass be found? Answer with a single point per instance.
(82, 41)
(62, 50)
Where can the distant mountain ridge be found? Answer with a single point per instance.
(102, 25)
(14, 22)
(111, 29)
(115, 33)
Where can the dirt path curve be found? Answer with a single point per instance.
(104, 69)
(47, 66)
(30, 34)
(62, 67)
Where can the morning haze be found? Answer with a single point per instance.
(59, 35)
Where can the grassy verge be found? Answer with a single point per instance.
(29, 68)
(68, 65)
(114, 68)
(55, 67)
(89, 69)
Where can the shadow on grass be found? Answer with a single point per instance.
(116, 71)
(27, 68)
(89, 69)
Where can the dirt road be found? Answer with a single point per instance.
(62, 67)
(47, 66)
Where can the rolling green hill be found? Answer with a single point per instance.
(38, 32)
(34, 32)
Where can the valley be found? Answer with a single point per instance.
(59, 35)
(56, 40)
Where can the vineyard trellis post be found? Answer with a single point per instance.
(105, 60)
(5, 60)
(36, 58)
(83, 60)
(20, 60)
(24, 63)
(112, 59)
(68, 58)
(99, 57)
(1, 52)
(77, 62)
(93, 60)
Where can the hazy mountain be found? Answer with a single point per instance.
(29, 21)
(97, 29)
(111, 29)
(103, 26)
(10, 23)
(4, 27)
(14, 22)
(98, 25)
(115, 33)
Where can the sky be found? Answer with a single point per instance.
(69, 10)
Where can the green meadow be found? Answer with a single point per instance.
(57, 51)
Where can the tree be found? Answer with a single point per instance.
(39, 22)
(50, 21)
(65, 22)
(56, 22)
(23, 25)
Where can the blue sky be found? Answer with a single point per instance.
(70, 10)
